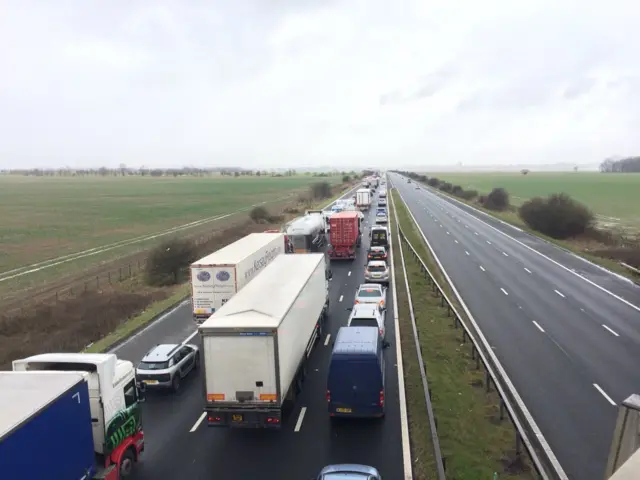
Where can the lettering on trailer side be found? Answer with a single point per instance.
(262, 262)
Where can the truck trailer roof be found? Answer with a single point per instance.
(239, 250)
(264, 302)
(24, 394)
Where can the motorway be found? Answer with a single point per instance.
(179, 445)
(566, 331)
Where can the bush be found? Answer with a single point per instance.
(320, 190)
(558, 216)
(346, 179)
(457, 190)
(498, 199)
(259, 214)
(168, 262)
(446, 187)
(469, 194)
(433, 182)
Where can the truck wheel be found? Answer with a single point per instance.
(127, 462)
(175, 383)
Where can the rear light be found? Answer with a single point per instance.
(381, 331)
(212, 419)
(381, 400)
(357, 301)
(382, 303)
(328, 395)
(273, 420)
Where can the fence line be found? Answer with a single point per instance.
(525, 434)
(433, 426)
(117, 274)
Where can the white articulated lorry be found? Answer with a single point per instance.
(257, 345)
(219, 276)
(363, 198)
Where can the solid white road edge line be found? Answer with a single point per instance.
(559, 293)
(501, 371)
(617, 297)
(198, 422)
(604, 394)
(303, 410)
(538, 325)
(404, 422)
(611, 331)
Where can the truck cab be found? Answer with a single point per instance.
(114, 398)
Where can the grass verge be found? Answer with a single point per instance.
(475, 443)
(140, 321)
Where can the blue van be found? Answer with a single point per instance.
(355, 384)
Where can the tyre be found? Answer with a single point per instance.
(127, 461)
(175, 383)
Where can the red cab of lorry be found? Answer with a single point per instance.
(344, 235)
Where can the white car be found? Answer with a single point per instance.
(381, 217)
(368, 315)
(371, 293)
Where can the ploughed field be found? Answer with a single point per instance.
(52, 219)
(614, 198)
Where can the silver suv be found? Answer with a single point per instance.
(165, 365)
(376, 271)
(369, 315)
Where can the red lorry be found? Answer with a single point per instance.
(344, 235)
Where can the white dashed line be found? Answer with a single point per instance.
(488, 242)
(341, 297)
(303, 410)
(504, 291)
(475, 233)
(482, 268)
(604, 394)
(527, 270)
(611, 331)
(326, 340)
(466, 226)
(505, 254)
(559, 293)
(448, 233)
(539, 327)
(349, 274)
(466, 252)
(456, 241)
(198, 422)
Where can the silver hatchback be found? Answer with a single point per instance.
(165, 365)
(376, 271)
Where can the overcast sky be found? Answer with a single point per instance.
(270, 83)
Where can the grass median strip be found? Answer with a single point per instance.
(475, 443)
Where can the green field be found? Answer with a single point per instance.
(615, 198)
(47, 217)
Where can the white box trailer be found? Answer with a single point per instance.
(257, 345)
(219, 276)
(363, 198)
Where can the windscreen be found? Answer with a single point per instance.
(379, 235)
(299, 242)
(363, 322)
(376, 268)
(369, 293)
(345, 373)
(153, 365)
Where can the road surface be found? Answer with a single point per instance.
(180, 446)
(566, 331)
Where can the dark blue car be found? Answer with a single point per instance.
(355, 384)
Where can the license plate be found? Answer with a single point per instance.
(343, 410)
(150, 382)
(236, 418)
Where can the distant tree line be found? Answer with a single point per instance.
(124, 171)
(620, 165)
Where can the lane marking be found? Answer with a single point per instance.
(341, 297)
(488, 242)
(482, 268)
(604, 394)
(505, 254)
(466, 252)
(527, 270)
(539, 327)
(610, 330)
(448, 233)
(349, 274)
(475, 233)
(504, 291)
(466, 226)
(303, 410)
(456, 241)
(559, 293)
(198, 422)
(326, 341)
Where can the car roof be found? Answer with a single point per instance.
(161, 352)
(365, 308)
(377, 263)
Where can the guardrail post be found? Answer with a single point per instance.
(441, 300)
(518, 444)
(502, 410)
(129, 270)
(456, 321)
(487, 380)
(464, 336)
(448, 310)
(97, 281)
(477, 360)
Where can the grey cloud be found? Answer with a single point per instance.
(430, 85)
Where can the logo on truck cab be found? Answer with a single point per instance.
(223, 275)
